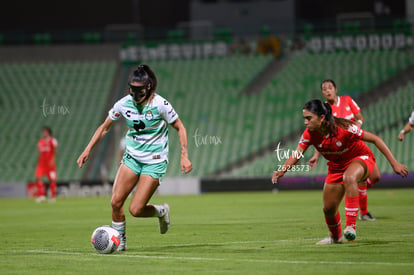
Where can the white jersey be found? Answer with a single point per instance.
(411, 119)
(147, 137)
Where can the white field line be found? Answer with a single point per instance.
(207, 259)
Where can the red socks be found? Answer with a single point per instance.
(334, 226)
(52, 189)
(41, 190)
(363, 200)
(351, 210)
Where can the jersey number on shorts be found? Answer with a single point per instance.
(139, 125)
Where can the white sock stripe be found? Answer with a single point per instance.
(351, 209)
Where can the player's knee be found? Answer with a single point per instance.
(136, 210)
(349, 179)
(116, 203)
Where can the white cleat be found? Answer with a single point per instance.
(41, 199)
(367, 217)
(164, 220)
(122, 243)
(350, 233)
(330, 240)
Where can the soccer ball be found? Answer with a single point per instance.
(105, 239)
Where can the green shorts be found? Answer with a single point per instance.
(155, 170)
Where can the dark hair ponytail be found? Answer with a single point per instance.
(145, 75)
(319, 108)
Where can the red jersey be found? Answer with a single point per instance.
(339, 148)
(46, 147)
(345, 108)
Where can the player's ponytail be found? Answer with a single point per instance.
(143, 74)
(152, 79)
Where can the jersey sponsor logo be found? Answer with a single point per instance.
(165, 102)
(128, 113)
(334, 152)
(347, 108)
(172, 113)
(355, 130)
(338, 143)
(364, 157)
(139, 125)
(303, 140)
(138, 138)
(156, 156)
(149, 115)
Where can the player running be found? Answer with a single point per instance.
(346, 107)
(407, 128)
(341, 142)
(147, 115)
(46, 165)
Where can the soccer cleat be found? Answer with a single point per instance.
(330, 240)
(350, 233)
(40, 199)
(367, 217)
(164, 220)
(122, 243)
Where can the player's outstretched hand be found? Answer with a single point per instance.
(276, 176)
(313, 162)
(401, 136)
(82, 159)
(400, 169)
(186, 165)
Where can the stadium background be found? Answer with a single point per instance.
(237, 72)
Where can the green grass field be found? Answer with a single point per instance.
(232, 233)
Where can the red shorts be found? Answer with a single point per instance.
(46, 170)
(335, 175)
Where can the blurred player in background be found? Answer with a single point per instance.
(407, 128)
(147, 115)
(46, 165)
(341, 142)
(346, 107)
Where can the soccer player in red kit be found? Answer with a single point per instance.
(346, 107)
(341, 142)
(46, 165)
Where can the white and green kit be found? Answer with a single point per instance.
(147, 137)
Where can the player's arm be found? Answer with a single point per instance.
(407, 128)
(313, 161)
(380, 144)
(54, 155)
(97, 136)
(359, 119)
(292, 160)
(186, 165)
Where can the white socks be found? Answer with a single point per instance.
(159, 211)
(120, 226)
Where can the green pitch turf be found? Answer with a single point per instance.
(230, 233)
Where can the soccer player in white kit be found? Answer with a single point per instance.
(147, 115)
(407, 128)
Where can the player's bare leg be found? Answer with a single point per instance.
(139, 206)
(332, 197)
(356, 172)
(125, 181)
